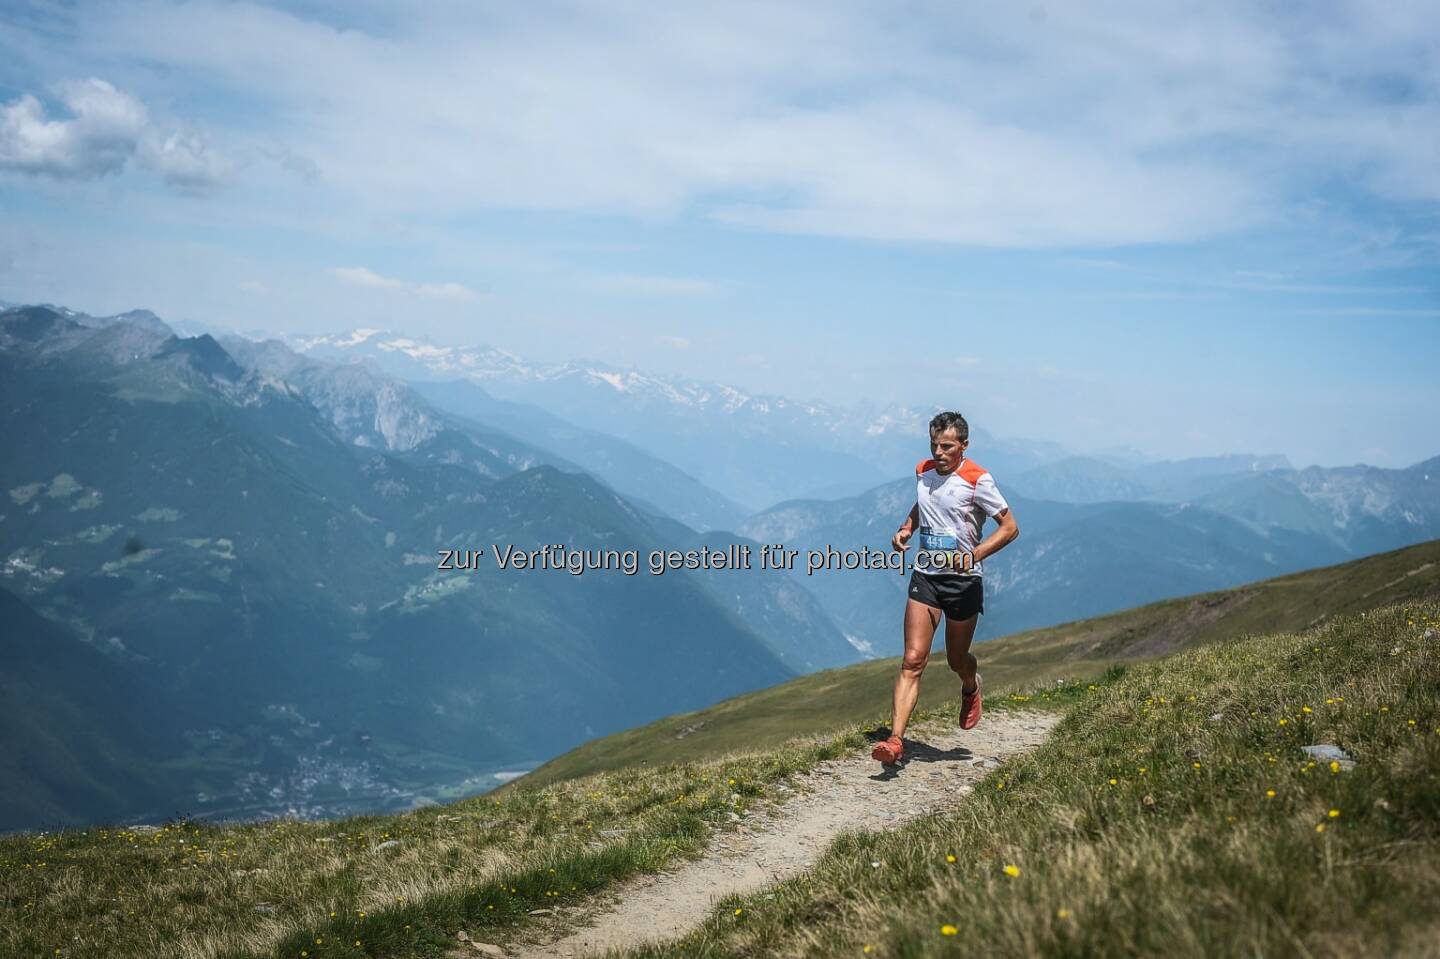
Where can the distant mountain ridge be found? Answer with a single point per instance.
(1079, 479)
(745, 445)
(1360, 509)
(748, 446)
(1083, 559)
(624, 465)
(251, 550)
(187, 508)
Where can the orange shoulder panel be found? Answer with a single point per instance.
(924, 465)
(971, 471)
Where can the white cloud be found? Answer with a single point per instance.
(1023, 126)
(100, 138)
(673, 342)
(108, 129)
(185, 161)
(1138, 123)
(362, 276)
(302, 167)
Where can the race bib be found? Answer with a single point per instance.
(939, 538)
(940, 547)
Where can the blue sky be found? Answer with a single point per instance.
(1191, 231)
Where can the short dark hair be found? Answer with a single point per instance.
(947, 420)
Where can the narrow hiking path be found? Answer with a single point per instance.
(781, 841)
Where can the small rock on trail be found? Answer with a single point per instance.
(1330, 753)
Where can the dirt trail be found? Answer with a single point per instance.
(784, 840)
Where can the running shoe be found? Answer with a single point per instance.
(970, 706)
(889, 751)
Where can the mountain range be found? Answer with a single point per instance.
(1074, 560)
(755, 449)
(254, 558)
(218, 557)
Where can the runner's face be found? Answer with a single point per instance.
(947, 450)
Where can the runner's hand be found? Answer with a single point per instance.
(901, 540)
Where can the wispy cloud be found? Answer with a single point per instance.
(1154, 123)
(1327, 289)
(185, 161)
(360, 276)
(365, 277)
(447, 291)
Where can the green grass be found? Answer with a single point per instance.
(816, 704)
(1206, 862)
(1172, 813)
(292, 889)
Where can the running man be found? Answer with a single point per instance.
(953, 495)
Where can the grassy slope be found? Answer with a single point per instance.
(1208, 858)
(1173, 813)
(816, 704)
(395, 886)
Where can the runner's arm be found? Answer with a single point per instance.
(901, 539)
(1003, 535)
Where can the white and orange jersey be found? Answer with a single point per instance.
(953, 508)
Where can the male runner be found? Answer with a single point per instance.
(953, 495)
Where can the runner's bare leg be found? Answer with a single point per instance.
(920, 623)
(957, 650)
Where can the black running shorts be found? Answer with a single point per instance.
(959, 596)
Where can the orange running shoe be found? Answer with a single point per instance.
(970, 706)
(889, 752)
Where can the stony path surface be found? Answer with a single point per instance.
(784, 840)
